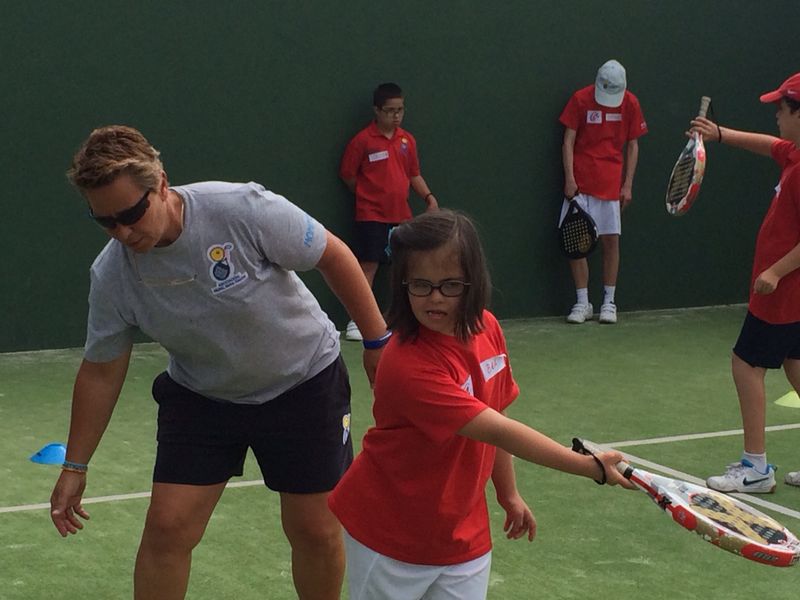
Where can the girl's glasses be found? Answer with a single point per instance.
(450, 288)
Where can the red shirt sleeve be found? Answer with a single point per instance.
(570, 116)
(351, 160)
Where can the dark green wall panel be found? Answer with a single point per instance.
(272, 91)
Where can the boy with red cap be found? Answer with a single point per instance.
(602, 123)
(770, 335)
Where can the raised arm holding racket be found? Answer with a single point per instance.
(770, 334)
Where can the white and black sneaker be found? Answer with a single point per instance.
(743, 477)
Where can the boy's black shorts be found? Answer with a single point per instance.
(371, 241)
(301, 439)
(762, 344)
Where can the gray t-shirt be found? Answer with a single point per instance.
(223, 299)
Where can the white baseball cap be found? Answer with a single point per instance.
(609, 87)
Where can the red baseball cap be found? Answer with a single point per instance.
(789, 89)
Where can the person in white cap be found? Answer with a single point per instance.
(770, 335)
(603, 123)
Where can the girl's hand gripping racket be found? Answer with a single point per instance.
(577, 233)
(716, 517)
(687, 174)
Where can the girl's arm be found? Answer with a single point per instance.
(519, 517)
(528, 444)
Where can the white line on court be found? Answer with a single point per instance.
(116, 497)
(695, 436)
(621, 444)
(750, 498)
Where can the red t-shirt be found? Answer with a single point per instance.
(382, 169)
(416, 492)
(601, 133)
(779, 233)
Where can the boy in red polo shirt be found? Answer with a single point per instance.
(378, 166)
(602, 122)
(770, 335)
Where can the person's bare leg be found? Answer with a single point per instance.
(610, 259)
(315, 536)
(749, 383)
(176, 520)
(580, 272)
(370, 269)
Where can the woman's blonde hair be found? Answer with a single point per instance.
(112, 151)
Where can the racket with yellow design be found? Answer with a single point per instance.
(716, 517)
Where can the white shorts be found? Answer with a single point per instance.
(604, 212)
(373, 576)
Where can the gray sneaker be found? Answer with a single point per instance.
(580, 313)
(793, 478)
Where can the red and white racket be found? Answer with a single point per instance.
(716, 517)
(687, 174)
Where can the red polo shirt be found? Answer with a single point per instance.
(601, 133)
(779, 233)
(382, 169)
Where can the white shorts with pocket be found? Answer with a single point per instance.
(373, 576)
(604, 212)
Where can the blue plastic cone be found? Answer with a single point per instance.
(51, 454)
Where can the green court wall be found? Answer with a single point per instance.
(272, 91)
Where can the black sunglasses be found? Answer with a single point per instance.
(127, 217)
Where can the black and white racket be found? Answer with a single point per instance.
(577, 233)
(687, 174)
(716, 517)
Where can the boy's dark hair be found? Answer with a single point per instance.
(431, 231)
(794, 105)
(384, 92)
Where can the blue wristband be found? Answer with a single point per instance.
(379, 343)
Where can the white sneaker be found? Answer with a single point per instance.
(793, 478)
(580, 313)
(352, 333)
(608, 313)
(743, 477)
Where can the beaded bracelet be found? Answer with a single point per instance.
(74, 467)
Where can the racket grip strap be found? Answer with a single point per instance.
(577, 446)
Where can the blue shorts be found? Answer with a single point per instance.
(301, 439)
(765, 345)
(371, 241)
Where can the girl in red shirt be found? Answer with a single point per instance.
(413, 503)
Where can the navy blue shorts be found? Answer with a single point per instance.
(762, 344)
(371, 241)
(301, 439)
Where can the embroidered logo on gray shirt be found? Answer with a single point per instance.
(222, 269)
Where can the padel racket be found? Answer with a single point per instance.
(687, 174)
(577, 232)
(716, 517)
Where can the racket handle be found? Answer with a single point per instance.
(705, 102)
(624, 468)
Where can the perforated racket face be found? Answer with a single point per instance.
(687, 174)
(578, 234)
(722, 520)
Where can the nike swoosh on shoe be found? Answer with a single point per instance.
(746, 481)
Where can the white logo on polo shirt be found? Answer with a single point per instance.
(594, 116)
(613, 116)
(376, 156)
(467, 386)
